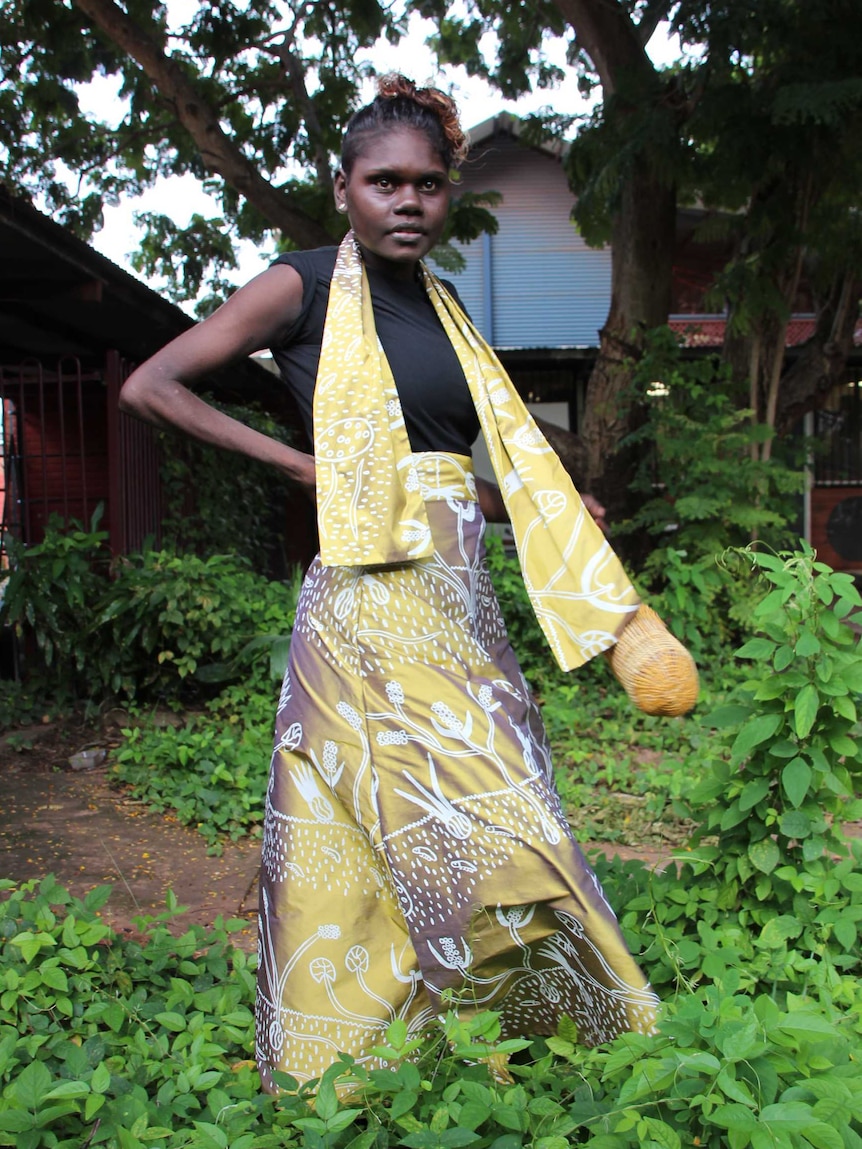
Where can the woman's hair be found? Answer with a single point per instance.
(399, 103)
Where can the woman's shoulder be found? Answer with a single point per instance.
(318, 262)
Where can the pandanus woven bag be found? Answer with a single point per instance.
(656, 671)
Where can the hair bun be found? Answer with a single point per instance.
(393, 85)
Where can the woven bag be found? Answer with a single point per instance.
(656, 671)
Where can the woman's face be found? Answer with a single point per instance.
(397, 197)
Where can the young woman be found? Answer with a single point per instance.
(415, 851)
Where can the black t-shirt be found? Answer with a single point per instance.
(436, 402)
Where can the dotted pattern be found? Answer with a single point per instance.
(414, 844)
(369, 512)
(364, 514)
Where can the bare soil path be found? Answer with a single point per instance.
(75, 825)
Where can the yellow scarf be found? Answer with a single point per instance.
(369, 504)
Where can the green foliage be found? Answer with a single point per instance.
(618, 771)
(211, 772)
(240, 505)
(171, 617)
(126, 1043)
(153, 625)
(777, 797)
(50, 592)
(25, 703)
(703, 490)
(751, 940)
(135, 1043)
(702, 482)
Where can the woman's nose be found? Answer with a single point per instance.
(408, 199)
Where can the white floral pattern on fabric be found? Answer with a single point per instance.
(370, 507)
(414, 844)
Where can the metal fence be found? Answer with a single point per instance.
(66, 449)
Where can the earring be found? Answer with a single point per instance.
(342, 207)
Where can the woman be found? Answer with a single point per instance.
(415, 852)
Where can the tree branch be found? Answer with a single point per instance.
(296, 77)
(610, 39)
(218, 152)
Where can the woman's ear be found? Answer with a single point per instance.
(339, 186)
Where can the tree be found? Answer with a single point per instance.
(758, 122)
(735, 125)
(252, 101)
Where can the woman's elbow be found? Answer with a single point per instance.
(134, 396)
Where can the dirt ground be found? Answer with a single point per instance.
(75, 825)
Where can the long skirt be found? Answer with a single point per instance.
(416, 857)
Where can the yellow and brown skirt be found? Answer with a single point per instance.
(415, 852)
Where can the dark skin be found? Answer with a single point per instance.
(396, 197)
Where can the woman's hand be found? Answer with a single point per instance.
(597, 511)
(300, 468)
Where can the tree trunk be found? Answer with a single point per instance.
(642, 237)
(642, 244)
(822, 362)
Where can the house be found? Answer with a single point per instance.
(72, 327)
(540, 295)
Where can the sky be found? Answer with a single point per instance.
(180, 197)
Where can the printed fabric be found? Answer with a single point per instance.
(369, 509)
(416, 856)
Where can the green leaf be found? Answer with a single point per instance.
(757, 648)
(175, 1022)
(805, 709)
(755, 732)
(32, 1083)
(753, 792)
(342, 1119)
(326, 1104)
(780, 929)
(730, 715)
(846, 933)
(796, 779)
(823, 1136)
(844, 745)
(808, 644)
(795, 824)
(795, 1116)
(734, 1117)
(67, 1089)
(764, 855)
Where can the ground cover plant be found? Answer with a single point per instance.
(750, 938)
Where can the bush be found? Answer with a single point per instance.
(50, 593)
(704, 488)
(149, 626)
(216, 502)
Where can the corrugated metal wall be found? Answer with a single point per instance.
(548, 289)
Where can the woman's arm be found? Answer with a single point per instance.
(491, 501)
(494, 509)
(253, 318)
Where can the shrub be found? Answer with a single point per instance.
(50, 593)
(704, 488)
(166, 617)
(216, 503)
(152, 625)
